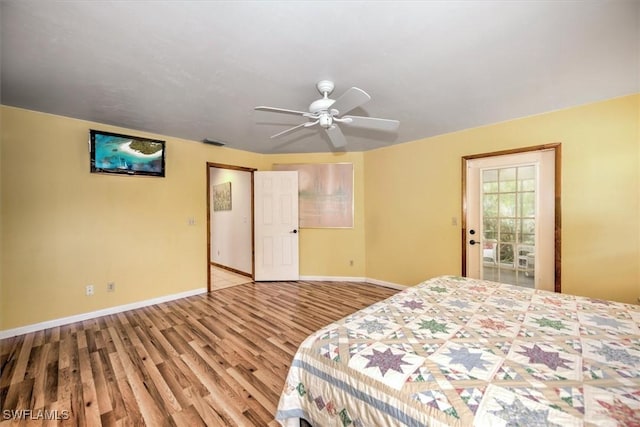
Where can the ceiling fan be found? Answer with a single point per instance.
(328, 113)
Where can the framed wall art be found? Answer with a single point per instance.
(325, 194)
(222, 197)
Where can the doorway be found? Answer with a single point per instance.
(511, 217)
(230, 259)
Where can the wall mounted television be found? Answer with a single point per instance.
(114, 153)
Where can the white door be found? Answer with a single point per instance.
(276, 225)
(510, 219)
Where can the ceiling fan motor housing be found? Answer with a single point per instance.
(325, 86)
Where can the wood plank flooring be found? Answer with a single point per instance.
(214, 360)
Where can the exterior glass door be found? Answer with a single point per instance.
(510, 219)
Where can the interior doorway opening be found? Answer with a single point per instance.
(230, 239)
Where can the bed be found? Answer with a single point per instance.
(453, 351)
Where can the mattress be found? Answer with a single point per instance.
(454, 351)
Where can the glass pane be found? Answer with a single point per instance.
(528, 238)
(490, 205)
(528, 205)
(527, 185)
(506, 253)
(507, 179)
(507, 237)
(491, 235)
(526, 178)
(528, 226)
(490, 181)
(490, 228)
(508, 205)
(507, 226)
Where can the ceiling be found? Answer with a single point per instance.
(196, 69)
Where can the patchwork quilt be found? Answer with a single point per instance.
(461, 352)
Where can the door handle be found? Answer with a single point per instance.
(473, 242)
(294, 231)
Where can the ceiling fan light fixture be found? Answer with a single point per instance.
(326, 121)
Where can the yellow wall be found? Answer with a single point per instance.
(327, 252)
(64, 228)
(413, 190)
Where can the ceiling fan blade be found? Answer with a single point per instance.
(286, 131)
(349, 100)
(371, 123)
(336, 136)
(280, 110)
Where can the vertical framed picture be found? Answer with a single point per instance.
(222, 197)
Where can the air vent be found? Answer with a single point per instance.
(213, 142)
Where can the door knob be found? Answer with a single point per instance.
(473, 242)
(294, 231)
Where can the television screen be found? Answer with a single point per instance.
(124, 154)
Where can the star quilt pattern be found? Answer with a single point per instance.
(454, 351)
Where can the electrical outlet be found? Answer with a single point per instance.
(89, 290)
(111, 287)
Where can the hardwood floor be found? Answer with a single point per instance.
(216, 360)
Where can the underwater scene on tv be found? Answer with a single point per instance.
(122, 154)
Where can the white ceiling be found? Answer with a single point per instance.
(196, 69)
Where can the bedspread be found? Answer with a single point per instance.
(463, 352)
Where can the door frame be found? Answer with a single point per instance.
(238, 168)
(557, 149)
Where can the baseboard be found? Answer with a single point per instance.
(332, 279)
(386, 284)
(231, 269)
(353, 279)
(93, 314)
